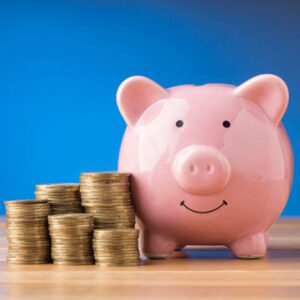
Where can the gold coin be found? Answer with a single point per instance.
(29, 253)
(119, 209)
(74, 253)
(80, 253)
(109, 245)
(21, 248)
(88, 224)
(64, 206)
(26, 261)
(90, 195)
(116, 254)
(104, 219)
(114, 217)
(12, 224)
(23, 203)
(29, 244)
(58, 186)
(120, 260)
(112, 255)
(62, 193)
(66, 256)
(99, 221)
(27, 231)
(106, 199)
(70, 218)
(64, 198)
(94, 210)
(105, 182)
(67, 238)
(65, 247)
(71, 263)
(105, 187)
(71, 226)
(117, 233)
(54, 199)
(80, 257)
(112, 221)
(51, 198)
(108, 226)
(20, 225)
(117, 214)
(64, 201)
(111, 174)
(109, 251)
(103, 190)
(74, 234)
(105, 202)
(98, 176)
(23, 236)
(30, 221)
(94, 207)
(27, 209)
(66, 211)
(118, 264)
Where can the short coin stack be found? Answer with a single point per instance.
(27, 231)
(107, 197)
(63, 198)
(116, 247)
(71, 239)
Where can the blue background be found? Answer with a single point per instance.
(62, 61)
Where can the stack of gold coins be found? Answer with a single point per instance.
(63, 197)
(27, 231)
(107, 197)
(71, 239)
(116, 247)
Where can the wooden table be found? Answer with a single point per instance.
(194, 273)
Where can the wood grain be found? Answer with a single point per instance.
(195, 273)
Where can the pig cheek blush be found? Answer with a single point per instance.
(183, 174)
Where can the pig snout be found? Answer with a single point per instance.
(201, 169)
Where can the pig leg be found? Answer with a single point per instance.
(155, 245)
(251, 246)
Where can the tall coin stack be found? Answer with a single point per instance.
(63, 198)
(116, 247)
(71, 239)
(107, 197)
(27, 231)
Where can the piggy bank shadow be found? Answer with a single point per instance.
(225, 253)
(202, 253)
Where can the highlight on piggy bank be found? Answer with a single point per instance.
(210, 164)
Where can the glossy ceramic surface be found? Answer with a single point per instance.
(210, 164)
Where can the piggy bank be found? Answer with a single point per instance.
(210, 164)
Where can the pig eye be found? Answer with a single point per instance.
(226, 124)
(179, 123)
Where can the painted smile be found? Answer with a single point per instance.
(203, 212)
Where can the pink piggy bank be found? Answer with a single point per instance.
(210, 164)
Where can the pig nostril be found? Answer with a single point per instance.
(193, 169)
(209, 168)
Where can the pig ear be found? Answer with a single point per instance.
(135, 94)
(269, 92)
